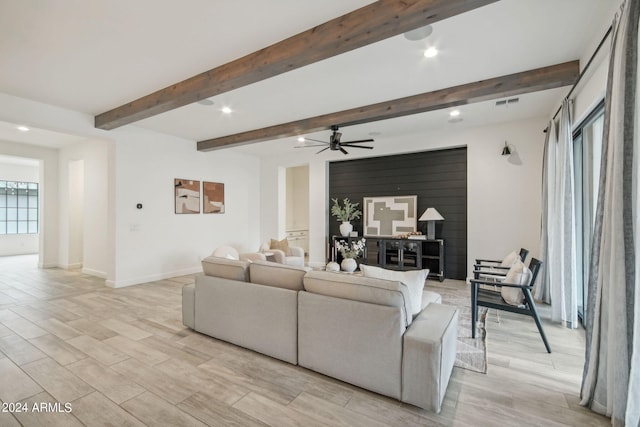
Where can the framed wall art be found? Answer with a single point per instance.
(187, 196)
(213, 197)
(389, 216)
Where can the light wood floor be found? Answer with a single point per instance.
(122, 357)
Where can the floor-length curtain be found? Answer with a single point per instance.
(611, 380)
(541, 291)
(559, 234)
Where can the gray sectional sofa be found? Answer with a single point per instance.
(360, 330)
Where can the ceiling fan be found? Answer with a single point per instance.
(334, 143)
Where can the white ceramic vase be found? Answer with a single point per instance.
(346, 228)
(349, 265)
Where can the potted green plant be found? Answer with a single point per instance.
(345, 213)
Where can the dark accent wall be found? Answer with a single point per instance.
(438, 178)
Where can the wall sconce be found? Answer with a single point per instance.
(431, 215)
(506, 151)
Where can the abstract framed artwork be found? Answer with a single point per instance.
(213, 197)
(187, 196)
(389, 216)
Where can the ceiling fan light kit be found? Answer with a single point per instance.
(335, 144)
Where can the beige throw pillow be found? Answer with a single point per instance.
(518, 274)
(509, 259)
(413, 279)
(282, 245)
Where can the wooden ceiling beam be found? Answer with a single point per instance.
(364, 26)
(550, 77)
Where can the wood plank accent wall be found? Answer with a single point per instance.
(438, 178)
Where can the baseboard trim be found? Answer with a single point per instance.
(96, 273)
(73, 266)
(152, 278)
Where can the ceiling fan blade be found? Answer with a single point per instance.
(325, 148)
(316, 140)
(343, 150)
(357, 146)
(357, 141)
(308, 145)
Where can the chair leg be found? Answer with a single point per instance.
(534, 313)
(474, 308)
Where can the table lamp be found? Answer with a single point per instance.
(431, 215)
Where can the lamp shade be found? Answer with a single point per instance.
(431, 214)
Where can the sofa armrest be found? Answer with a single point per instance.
(189, 305)
(429, 352)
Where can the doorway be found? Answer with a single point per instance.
(297, 206)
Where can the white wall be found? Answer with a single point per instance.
(19, 244)
(503, 192)
(154, 242)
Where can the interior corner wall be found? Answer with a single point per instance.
(85, 219)
(504, 192)
(48, 188)
(154, 242)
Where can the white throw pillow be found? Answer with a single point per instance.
(518, 274)
(510, 259)
(413, 279)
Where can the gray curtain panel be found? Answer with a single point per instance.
(559, 276)
(611, 380)
(542, 291)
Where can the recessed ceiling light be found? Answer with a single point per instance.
(301, 139)
(431, 52)
(226, 110)
(23, 128)
(454, 113)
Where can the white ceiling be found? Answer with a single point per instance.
(92, 56)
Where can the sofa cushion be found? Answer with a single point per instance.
(414, 279)
(358, 288)
(226, 268)
(277, 275)
(429, 297)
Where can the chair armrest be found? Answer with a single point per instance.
(491, 267)
(278, 255)
(296, 251)
(496, 261)
(476, 282)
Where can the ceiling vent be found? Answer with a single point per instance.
(507, 101)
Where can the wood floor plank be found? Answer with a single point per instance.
(137, 350)
(100, 351)
(273, 413)
(57, 349)
(113, 385)
(216, 413)
(59, 328)
(16, 385)
(20, 350)
(153, 411)
(96, 410)
(24, 327)
(59, 382)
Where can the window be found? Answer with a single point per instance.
(18, 207)
(587, 152)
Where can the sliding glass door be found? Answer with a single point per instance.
(587, 146)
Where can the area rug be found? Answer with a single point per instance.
(471, 352)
